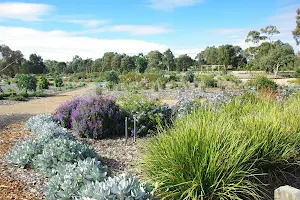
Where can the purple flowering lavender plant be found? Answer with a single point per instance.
(64, 111)
(98, 117)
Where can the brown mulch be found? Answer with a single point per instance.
(11, 188)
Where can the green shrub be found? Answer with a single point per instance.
(152, 77)
(174, 85)
(189, 77)
(232, 78)
(26, 82)
(58, 82)
(43, 83)
(297, 72)
(148, 113)
(16, 98)
(229, 158)
(110, 85)
(23, 94)
(112, 76)
(208, 81)
(11, 92)
(37, 94)
(262, 82)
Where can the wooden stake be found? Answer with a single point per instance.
(134, 130)
(126, 130)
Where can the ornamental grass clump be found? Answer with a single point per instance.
(98, 117)
(228, 153)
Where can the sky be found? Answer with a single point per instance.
(60, 29)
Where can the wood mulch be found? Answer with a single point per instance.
(11, 188)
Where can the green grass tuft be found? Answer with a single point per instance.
(226, 154)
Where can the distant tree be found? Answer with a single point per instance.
(50, 65)
(154, 60)
(226, 55)
(116, 62)
(86, 65)
(168, 60)
(127, 64)
(96, 66)
(296, 32)
(210, 55)
(141, 63)
(26, 82)
(37, 65)
(239, 59)
(255, 37)
(106, 61)
(183, 62)
(277, 57)
(12, 61)
(200, 58)
(75, 64)
(60, 67)
(251, 53)
(269, 31)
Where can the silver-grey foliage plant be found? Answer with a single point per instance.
(70, 178)
(45, 129)
(122, 187)
(61, 151)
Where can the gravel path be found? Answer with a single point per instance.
(42, 105)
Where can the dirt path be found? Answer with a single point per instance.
(43, 105)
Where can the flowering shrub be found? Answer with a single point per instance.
(148, 114)
(97, 118)
(64, 111)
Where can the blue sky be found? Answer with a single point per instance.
(60, 29)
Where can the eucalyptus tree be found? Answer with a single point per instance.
(296, 32)
(168, 60)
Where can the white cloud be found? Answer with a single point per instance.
(61, 46)
(134, 30)
(191, 52)
(23, 11)
(87, 23)
(168, 5)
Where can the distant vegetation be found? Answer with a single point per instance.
(265, 54)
